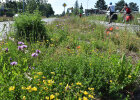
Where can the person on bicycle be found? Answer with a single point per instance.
(127, 11)
(111, 8)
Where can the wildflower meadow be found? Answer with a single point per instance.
(71, 59)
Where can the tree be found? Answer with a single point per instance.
(42, 5)
(133, 6)
(12, 6)
(120, 5)
(31, 5)
(101, 4)
(76, 8)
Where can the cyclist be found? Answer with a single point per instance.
(111, 8)
(127, 11)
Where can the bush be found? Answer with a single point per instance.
(9, 14)
(30, 27)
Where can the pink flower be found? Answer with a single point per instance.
(13, 63)
(20, 43)
(20, 47)
(38, 51)
(6, 50)
(34, 54)
(24, 46)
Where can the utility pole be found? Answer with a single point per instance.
(23, 6)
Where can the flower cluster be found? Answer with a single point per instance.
(29, 88)
(36, 53)
(22, 46)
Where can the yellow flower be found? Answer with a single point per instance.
(85, 93)
(23, 98)
(51, 45)
(39, 73)
(60, 83)
(23, 88)
(67, 87)
(79, 98)
(53, 73)
(110, 81)
(129, 76)
(44, 81)
(90, 96)
(29, 88)
(36, 76)
(50, 82)
(34, 89)
(57, 94)
(43, 77)
(92, 89)
(78, 83)
(47, 98)
(11, 88)
(85, 98)
(52, 96)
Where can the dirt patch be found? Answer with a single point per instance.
(134, 56)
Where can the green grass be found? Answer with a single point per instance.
(82, 60)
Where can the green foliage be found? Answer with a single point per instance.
(76, 8)
(43, 7)
(133, 6)
(101, 4)
(11, 5)
(30, 27)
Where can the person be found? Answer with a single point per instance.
(127, 11)
(81, 11)
(111, 8)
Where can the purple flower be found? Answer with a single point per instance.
(10, 59)
(24, 46)
(20, 43)
(34, 54)
(20, 47)
(13, 63)
(6, 50)
(38, 51)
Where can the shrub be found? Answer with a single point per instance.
(9, 14)
(30, 27)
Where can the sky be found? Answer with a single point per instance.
(58, 8)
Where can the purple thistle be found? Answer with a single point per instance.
(13, 63)
(20, 47)
(34, 54)
(38, 51)
(6, 50)
(24, 46)
(20, 43)
(10, 59)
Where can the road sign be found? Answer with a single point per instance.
(64, 5)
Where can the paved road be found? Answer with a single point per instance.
(6, 26)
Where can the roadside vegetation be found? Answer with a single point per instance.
(102, 17)
(78, 60)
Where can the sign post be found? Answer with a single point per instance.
(64, 5)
